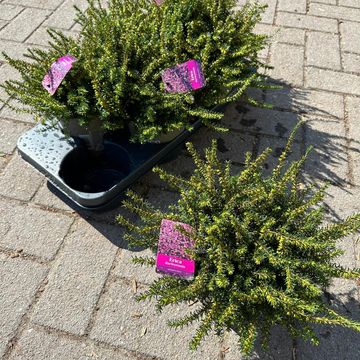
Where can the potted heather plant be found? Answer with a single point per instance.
(139, 74)
(215, 34)
(262, 256)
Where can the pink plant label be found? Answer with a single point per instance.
(57, 73)
(184, 77)
(158, 2)
(172, 258)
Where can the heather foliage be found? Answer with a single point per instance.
(262, 252)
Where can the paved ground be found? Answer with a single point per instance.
(66, 288)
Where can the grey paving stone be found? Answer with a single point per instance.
(288, 62)
(10, 131)
(8, 113)
(43, 4)
(307, 101)
(306, 22)
(231, 145)
(336, 12)
(269, 14)
(41, 37)
(77, 277)
(19, 282)
(39, 344)
(20, 28)
(64, 16)
(127, 269)
(350, 32)
(277, 146)
(33, 231)
(161, 199)
(333, 2)
(47, 198)
(298, 6)
(352, 106)
(8, 11)
(19, 180)
(322, 50)
(332, 81)
(280, 347)
(121, 321)
(280, 34)
(351, 62)
(181, 165)
(3, 23)
(13, 49)
(351, 3)
(328, 160)
(267, 121)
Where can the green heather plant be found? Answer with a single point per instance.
(76, 98)
(158, 37)
(263, 254)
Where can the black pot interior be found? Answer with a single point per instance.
(90, 172)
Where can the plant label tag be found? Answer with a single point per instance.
(158, 2)
(184, 77)
(172, 258)
(57, 73)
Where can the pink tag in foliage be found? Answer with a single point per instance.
(57, 73)
(171, 257)
(159, 2)
(184, 77)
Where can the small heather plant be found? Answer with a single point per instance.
(214, 32)
(262, 252)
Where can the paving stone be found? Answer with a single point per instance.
(351, 62)
(41, 37)
(352, 106)
(77, 277)
(3, 23)
(277, 146)
(10, 131)
(44, 196)
(280, 34)
(125, 268)
(306, 22)
(328, 160)
(19, 282)
(13, 49)
(267, 121)
(350, 33)
(64, 16)
(232, 145)
(19, 180)
(298, 6)
(8, 113)
(20, 28)
(288, 62)
(333, 2)
(182, 166)
(38, 344)
(351, 3)
(161, 199)
(337, 12)
(33, 231)
(269, 14)
(323, 50)
(280, 347)
(332, 81)
(121, 321)
(307, 101)
(43, 4)
(6, 73)
(8, 12)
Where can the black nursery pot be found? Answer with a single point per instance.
(94, 180)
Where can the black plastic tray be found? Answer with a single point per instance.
(65, 161)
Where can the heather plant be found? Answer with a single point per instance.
(158, 37)
(262, 251)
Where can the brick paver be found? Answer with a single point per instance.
(67, 283)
